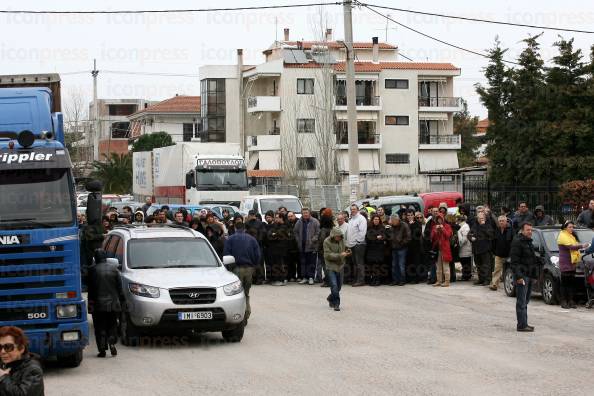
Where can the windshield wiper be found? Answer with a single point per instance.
(27, 221)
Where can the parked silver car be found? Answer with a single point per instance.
(174, 282)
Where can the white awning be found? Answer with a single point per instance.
(433, 116)
(432, 78)
(437, 160)
(254, 156)
(359, 77)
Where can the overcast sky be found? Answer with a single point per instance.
(181, 43)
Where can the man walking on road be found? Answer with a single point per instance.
(334, 256)
(355, 240)
(246, 251)
(525, 266)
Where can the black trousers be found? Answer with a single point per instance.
(278, 268)
(567, 286)
(293, 265)
(106, 329)
(483, 264)
(466, 268)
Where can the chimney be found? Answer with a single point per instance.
(286, 34)
(328, 34)
(375, 53)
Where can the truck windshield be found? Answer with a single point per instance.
(273, 204)
(153, 253)
(222, 179)
(33, 198)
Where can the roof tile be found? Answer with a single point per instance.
(177, 104)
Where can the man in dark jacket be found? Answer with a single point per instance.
(481, 236)
(293, 262)
(540, 218)
(256, 228)
(20, 373)
(585, 217)
(105, 297)
(246, 251)
(399, 237)
(501, 246)
(523, 215)
(524, 264)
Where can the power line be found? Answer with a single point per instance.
(369, 7)
(479, 20)
(187, 10)
(148, 73)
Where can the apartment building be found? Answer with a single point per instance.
(178, 116)
(295, 110)
(113, 126)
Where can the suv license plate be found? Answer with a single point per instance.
(207, 315)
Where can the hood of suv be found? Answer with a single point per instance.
(169, 278)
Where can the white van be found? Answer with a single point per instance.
(263, 203)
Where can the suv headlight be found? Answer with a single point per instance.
(233, 288)
(144, 290)
(66, 311)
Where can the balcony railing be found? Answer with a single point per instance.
(359, 100)
(440, 139)
(263, 103)
(439, 102)
(361, 138)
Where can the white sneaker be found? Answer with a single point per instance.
(303, 281)
(278, 283)
(285, 282)
(311, 281)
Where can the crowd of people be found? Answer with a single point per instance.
(367, 246)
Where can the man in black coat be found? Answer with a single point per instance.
(105, 302)
(525, 267)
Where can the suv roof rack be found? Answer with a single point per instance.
(129, 227)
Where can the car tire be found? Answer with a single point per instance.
(73, 360)
(550, 290)
(509, 284)
(234, 335)
(128, 332)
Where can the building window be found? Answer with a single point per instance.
(305, 86)
(306, 163)
(188, 132)
(306, 125)
(213, 110)
(398, 158)
(121, 109)
(119, 130)
(396, 120)
(396, 84)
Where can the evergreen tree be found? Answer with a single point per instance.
(495, 97)
(465, 126)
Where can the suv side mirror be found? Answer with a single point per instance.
(229, 262)
(190, 180)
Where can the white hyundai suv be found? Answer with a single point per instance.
(174, 282)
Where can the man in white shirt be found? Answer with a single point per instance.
(342, 224)
(355, 240)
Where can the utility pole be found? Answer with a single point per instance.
(94, 73)
(351, 105)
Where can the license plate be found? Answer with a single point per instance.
(194, 315)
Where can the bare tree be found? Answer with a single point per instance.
(77, 130)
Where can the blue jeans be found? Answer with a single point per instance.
(522, 300)
(399, 265)
(335, 281)
(308, 264)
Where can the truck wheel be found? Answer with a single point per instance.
(71, 361)
(234, 335)
(550, 290)
(508, 282)
(129, 333)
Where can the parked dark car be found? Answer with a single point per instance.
(544, 240)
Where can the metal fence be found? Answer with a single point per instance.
(281, 189)
(478, 191)
(332, 197)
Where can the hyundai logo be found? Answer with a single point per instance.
(194, 295)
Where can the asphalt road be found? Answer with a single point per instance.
(388, 340)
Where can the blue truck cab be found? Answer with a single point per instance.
(40, 276)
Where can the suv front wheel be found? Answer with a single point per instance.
(234, 335)
(550, 290)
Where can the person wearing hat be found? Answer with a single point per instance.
(335, 253)
(138, 217)
(540, 218)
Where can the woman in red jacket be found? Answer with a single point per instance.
(440, 239)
